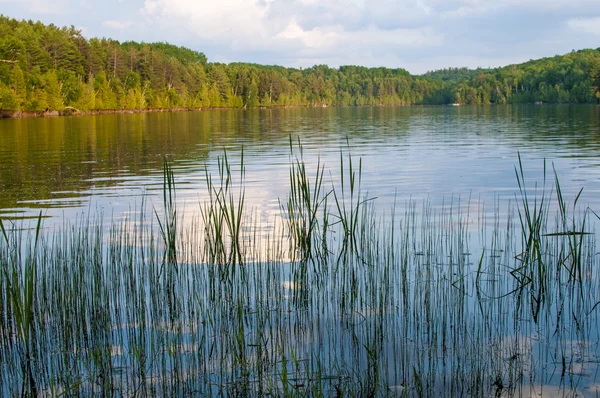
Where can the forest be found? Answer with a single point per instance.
(45, 68)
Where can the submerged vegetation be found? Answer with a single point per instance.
(333, 299)
(49, 68)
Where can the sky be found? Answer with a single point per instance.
(417, 35)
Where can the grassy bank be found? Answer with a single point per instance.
(331, 300)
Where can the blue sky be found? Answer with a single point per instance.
(415, 35)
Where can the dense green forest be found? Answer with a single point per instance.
(50, 68)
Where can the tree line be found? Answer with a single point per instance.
(50, 68)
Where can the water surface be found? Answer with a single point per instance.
(69, 164)
(448, 302)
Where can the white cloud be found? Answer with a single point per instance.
(470, 8)
(394, 33)
(586, 25)
(484, 5)
(314, 38)
(118, 25)
(295, 29)
(41, 6)
(331, 41)
(212, 20)
(415, 34)
(548, 4)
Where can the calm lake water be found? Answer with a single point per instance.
(455, 300)
(107, 162)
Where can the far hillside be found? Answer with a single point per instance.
(569, 78)
(48, 68)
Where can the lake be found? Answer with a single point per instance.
(65, 165)
(384, 251)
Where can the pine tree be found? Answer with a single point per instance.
(252, 95)
(70, 87)
(19, 87)
(52, 88)
(8, 99)
(214, 96)
(595, 77)
(203, 99)
(36, 94)
(87, 100)
(105, 98)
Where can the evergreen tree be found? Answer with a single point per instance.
(52, 88)
(87, 100)
(70, 87)
(595, 77)
(36, 94)
(8, 99)
(92, 74)
(214, 96)
(105, 97)
(19, 87)
(203, 97)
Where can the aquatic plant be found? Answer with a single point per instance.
(334, 299)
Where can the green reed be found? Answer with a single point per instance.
(574, 231)
(168, 227)
(335, 299)
(20, 277)
(223, 216)
(532, 272)
(305, 205)
(349, 201)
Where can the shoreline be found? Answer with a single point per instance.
(76, 112)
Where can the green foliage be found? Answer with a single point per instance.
(36, 58)
(87, 100)
(52, 88)
(8, 99)
(70, 87)
(36, 93)
(12, 49)
(214, 97)
(105, 97)
(595, 77)
(560, 79)
(18, 86)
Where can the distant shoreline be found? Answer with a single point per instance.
(76, 75)
(75, 112)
